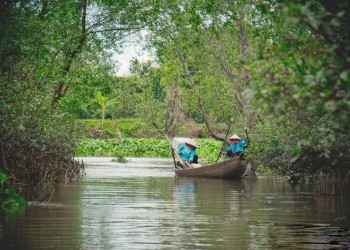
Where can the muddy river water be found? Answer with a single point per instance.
(142, 205)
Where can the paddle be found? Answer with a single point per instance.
(246, 134)
(172, 150)
(248, 166)
(223, 143)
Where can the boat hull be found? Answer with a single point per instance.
(232, 168)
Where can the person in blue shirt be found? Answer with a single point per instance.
(237, 146)
(187, 151)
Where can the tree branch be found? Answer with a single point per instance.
(199, 99)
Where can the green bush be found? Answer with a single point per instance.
(299, 152)
(37, 147)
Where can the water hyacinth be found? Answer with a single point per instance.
(142, 147)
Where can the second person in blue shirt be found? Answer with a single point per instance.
(237, 146)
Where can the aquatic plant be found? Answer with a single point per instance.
(208, 149)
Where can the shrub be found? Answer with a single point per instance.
(37, 149)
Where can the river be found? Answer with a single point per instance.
(141, 204)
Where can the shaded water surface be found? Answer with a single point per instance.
(142, 205)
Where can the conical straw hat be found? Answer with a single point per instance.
(191, 142)
(234, 136)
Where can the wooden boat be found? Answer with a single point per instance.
(231, 168)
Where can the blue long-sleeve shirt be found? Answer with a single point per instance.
(237, 147)
(187, 154)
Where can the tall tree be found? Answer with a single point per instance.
(210, 40)
(46, 48)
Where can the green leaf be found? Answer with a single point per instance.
(10, 191)
(3, 178)
(296, 150)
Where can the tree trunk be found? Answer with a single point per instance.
(103, 114)
(246, 74)
(120, 138)
(199, 101)
(172, 109)
(62, 88)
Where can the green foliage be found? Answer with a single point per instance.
(300, 154)
(3, 178)
(304, 85)
(10, 201)
(36, 145)
(120, 159)
(102, 101)
(129, 127)
(132, 147)
(207, 151)
(40, 61)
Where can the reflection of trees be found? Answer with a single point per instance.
(54, 225)
(334, 208)
(211, 208)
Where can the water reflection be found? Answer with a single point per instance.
(248, 214)
(54, 225)
(142, 205)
